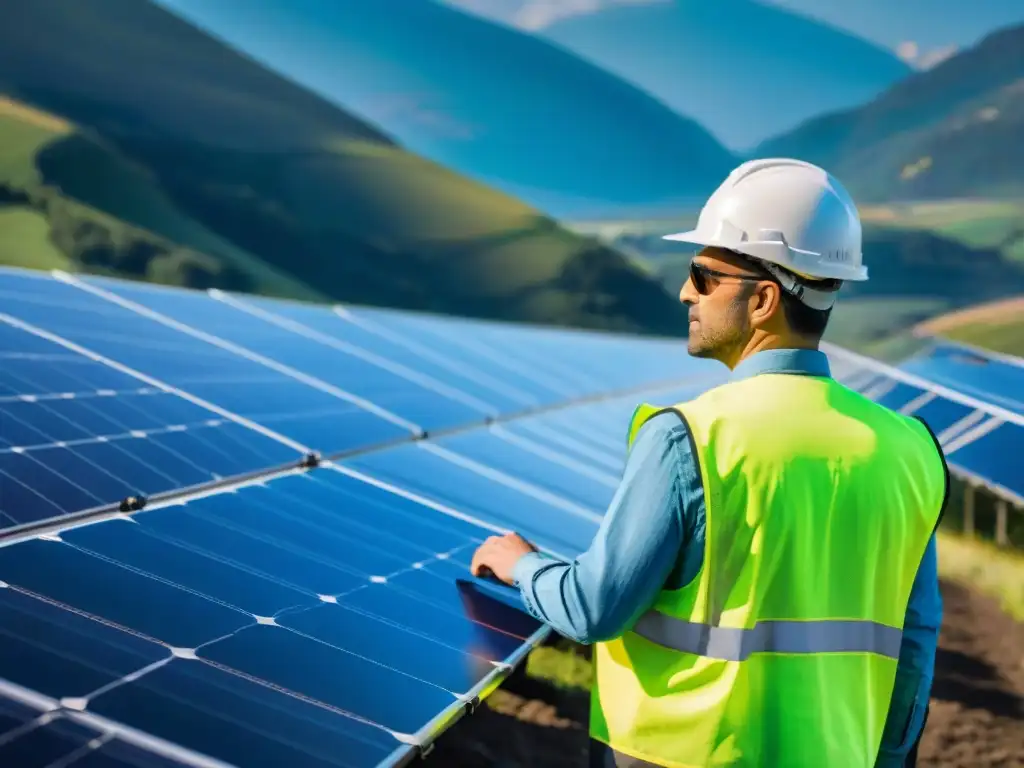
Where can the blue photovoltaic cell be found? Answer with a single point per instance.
(412, 396)
(588, 372)
(898, 395)
(995, 456)
(982, 377)
(574, 480)
(574, 363)
(537, 429)
(30, 738)
(458, 343)
(941, 414)
(77, 434)
(457, 367)
(304, 622)
(595, 434)
(555, 523)
(316, 419)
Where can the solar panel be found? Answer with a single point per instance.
(978, 433)
(304, 614)
(78, 434)
(998, 379)
(35, 733)
(349, 372)
(264, 609)
(267, 396)
(474, 374)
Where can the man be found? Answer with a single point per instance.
(762, 590)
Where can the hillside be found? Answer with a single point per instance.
(505, 108)
(998, 326)
(952, 131)
(131, 143)
(744, 69)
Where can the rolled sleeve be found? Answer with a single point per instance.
(599, 594)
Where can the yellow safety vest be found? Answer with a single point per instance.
(783, 650)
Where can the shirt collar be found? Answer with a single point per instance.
(808, 362)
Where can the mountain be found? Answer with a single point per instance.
(500, 106)
(951, 131)
(743, 69)
(925, 31)
(132, 143)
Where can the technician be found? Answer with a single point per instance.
(762, 590)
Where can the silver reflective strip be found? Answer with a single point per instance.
(736, 644)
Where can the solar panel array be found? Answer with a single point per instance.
(237, 531)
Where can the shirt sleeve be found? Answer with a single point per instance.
(916, 666)
(597, 596)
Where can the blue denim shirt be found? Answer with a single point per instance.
(653, 535)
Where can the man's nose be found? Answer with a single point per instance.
(688, 294)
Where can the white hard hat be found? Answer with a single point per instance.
(787, 213)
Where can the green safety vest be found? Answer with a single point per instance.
(783, 650)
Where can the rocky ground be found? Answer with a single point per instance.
(976, 718)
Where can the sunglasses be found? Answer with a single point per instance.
(699, 275)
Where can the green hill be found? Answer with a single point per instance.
(948, 132)
(132, 143)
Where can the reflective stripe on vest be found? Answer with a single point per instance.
(737, 644)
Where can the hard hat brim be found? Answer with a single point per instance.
(690, 236)
(765, 252)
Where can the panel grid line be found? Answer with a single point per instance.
(241, 351)
(427, 353)
(428, 382)
(95, 357)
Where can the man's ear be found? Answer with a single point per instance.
(765, 303)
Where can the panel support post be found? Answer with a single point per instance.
(968, 508)
(1002, 510)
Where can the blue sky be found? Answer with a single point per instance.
(922, 31)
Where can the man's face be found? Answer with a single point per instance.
(718, 293)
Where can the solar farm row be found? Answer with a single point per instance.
(259, 612)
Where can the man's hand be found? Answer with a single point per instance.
(498, 556)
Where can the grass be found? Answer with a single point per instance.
(1007, 337)
(985, 567)
(998, 326)
(561, 665)
(861, 323)
(997, 224)
(25, 241)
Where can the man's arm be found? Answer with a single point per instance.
(915, 669)
(597, 596)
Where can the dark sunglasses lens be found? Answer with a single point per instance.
(698, 278)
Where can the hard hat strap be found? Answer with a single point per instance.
(815, 298)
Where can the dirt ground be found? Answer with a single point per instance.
(976, 718)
